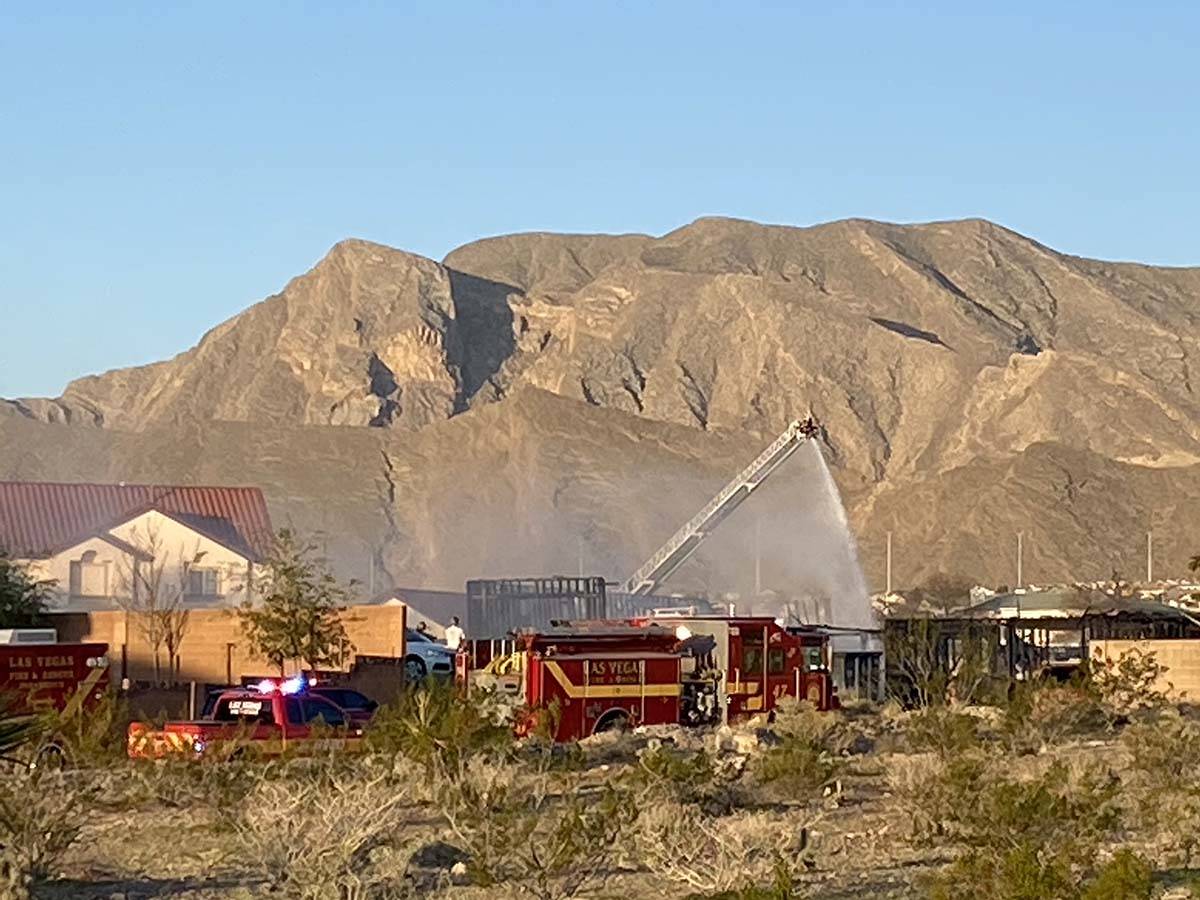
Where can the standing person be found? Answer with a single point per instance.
(454, 634)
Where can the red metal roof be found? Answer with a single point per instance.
(39, 519)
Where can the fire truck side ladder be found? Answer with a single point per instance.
(671, 555)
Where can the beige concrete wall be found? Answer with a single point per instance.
(214, 638)
(176, 542)
(1180, 657)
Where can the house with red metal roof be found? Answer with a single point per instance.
(123, 545)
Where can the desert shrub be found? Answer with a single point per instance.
(438, 728)
(96, 737)
(1034, 838)
(1125, 877)
(1164, 783)
(931, 664)
(325, 836)
(941, 730)
(41, 814)
(849, 730)
(799, 718)
(16, 730)
(663, 772)
(933, 790)
(805, 758)
(1042, 713)
(797, 767)
(740, 855)
(546, 756)
(215, 785)
(1130, 683)
(532, 834)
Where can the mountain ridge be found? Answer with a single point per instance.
(929, 352)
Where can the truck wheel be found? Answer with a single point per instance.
(414, 669)
(613, 720)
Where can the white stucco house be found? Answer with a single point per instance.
(91, 539)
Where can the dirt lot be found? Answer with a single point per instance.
(1056, 797)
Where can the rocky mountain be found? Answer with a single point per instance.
(537, 399)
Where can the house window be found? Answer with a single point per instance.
(203, 582)
(89, 578)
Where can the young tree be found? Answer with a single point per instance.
(151, 589)
(946, 593)
(22, 596)
(296, 616)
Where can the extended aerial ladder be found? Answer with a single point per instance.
(675, 552)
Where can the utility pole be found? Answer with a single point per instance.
(1149, 557)
(1020, 558)
(579, 541)
(888, 575)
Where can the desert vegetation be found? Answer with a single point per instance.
(1088, 789)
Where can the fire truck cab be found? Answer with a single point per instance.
(759, 662)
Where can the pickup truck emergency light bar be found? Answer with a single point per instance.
(676, 551)
(294, 685)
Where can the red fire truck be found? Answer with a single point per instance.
(39, 675)
(582, 678)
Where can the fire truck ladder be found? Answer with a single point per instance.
(671, 555)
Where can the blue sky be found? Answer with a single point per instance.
(163, 166)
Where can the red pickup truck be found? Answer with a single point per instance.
(265, 720)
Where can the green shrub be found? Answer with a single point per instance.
(1044, 713)
(942, 731)
(535, 835)
(1125, 877)
(436, 727)
(1035, 839)
(663, 773)
(1163, 781)
(96, 736)
(783, 886)
(1130, 683)
(798, 767)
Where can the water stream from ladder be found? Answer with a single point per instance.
(837, 563)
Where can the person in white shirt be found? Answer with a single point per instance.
(454, 634)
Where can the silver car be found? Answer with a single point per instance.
(424, 657)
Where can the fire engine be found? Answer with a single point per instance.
(38, 674)
(266, 719)
(580, 678)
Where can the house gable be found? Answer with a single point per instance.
(95, 572)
